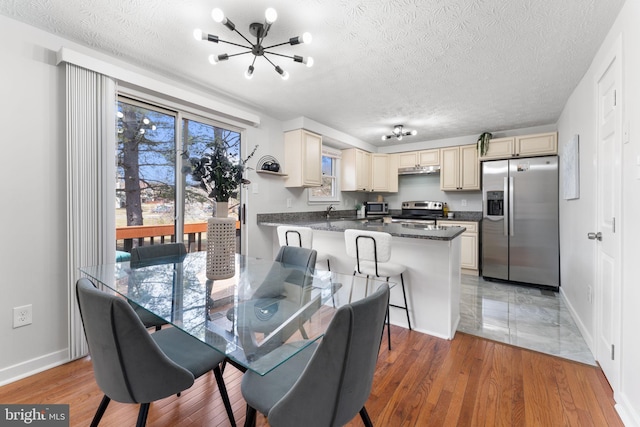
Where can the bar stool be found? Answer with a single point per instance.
(372, 251)
(302, 237)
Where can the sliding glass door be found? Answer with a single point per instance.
(156, 195)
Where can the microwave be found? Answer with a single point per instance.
(377, 208)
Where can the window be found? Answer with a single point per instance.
(329, 191)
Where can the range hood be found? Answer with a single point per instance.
(419, 170)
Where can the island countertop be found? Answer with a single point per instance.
(415, 231)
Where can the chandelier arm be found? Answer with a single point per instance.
(242, 35)
(270, 62)
(235, 44)
(279, 54)
(238, 54)
(276, 45)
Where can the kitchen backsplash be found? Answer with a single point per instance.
(426, 187)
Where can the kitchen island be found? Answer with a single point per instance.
(431, 255)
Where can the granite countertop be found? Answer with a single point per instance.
(414, 231)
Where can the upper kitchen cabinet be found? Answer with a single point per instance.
(384, 172)
(302, 158)
(356, 170)
(522, 146)
(459, 168)
(419, 158)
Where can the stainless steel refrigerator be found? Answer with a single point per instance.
(520, 241)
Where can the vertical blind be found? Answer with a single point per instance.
(90, 146)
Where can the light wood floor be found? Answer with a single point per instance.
(423, 381)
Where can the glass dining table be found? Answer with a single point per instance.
(259, 318)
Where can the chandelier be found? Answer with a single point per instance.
(398, 133)
(259, 31)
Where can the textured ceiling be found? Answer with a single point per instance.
(444, 67)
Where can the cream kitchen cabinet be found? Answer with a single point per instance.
(302, 158)
(469, 258)
(364, 171)
(419, 158)
(522, 146)
(356, 170)
(459, 168)
(384, 172)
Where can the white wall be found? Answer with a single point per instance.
(33, 214)
(578, 216)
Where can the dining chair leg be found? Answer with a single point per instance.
(225, 396)
(142, 415)
(365, 417)
(388, 328)
(250, 417)
(100, 412)
(353, 279)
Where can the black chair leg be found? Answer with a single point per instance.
(404, 294)
(365, 417)
(250, 418)
(100, 412)
(142, 415)
(223, 392)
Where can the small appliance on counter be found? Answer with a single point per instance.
(376, 208)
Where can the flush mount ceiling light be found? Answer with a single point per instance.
(259, 31)
(398, 133)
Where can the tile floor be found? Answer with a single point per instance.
(522, 316)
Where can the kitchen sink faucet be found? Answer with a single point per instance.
(329, 209)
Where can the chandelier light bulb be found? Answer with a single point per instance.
(308, 61)
(306, 38)
(384, 137)
(397, 129)
(399, 137)
(414, 132)
(249, 73)
(270, 15)
(197, 34)
(285, 76)
(217, 15)
(213, 60)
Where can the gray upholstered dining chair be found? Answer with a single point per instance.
(326, 384)
(293, 271)
(143, 255)
(131, 365)
(147, 253)
(303, 237)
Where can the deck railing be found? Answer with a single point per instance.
(194, 235)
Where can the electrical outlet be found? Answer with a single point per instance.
(464, 202)
(22, 316)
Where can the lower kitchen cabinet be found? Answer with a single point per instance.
(469, 256)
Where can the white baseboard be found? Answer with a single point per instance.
(33, 366)
(586, 334)
(629, 416)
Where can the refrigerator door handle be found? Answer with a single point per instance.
(511, 218)
(506, 217)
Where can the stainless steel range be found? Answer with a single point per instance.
(420, 212)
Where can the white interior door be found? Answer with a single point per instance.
(608, 230)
